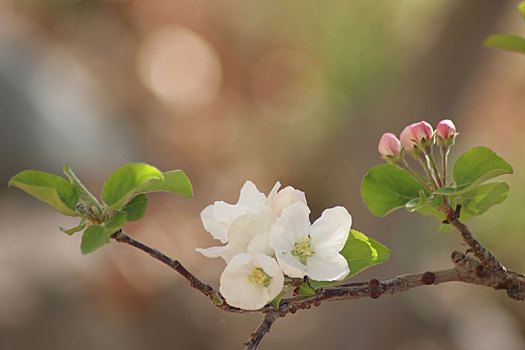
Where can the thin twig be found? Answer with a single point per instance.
(215, 297)
(265, 326)
(483, 254)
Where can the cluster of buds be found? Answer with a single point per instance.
(415, 139)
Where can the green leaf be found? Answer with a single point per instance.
(506, 42)
(90, 202)
(136, 207)
(360, 252)
(277, 300)
(447, 191)
(481, 198)
(75, 229)
(127, 181)
(175, 181)
(115, 222)
(386, 187)
(52, 189)
(94, 237)
(478, 165)
(521, 7)
(306, 290)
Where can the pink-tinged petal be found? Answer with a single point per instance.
(422, 131)
(286, 197)
(407, 138)
(332, 268)
(330, 232)
(445, 129)
(389, 145)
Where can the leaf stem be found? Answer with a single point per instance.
(430, 160)
(445, 150)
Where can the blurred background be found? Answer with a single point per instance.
(231, 90)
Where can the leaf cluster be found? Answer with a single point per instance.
(123, 197)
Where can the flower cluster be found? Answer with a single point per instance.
(269, 237)
(417, 140)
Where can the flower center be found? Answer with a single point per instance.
(303, 250)
(259, 277)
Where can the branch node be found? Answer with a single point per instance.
(428, 278)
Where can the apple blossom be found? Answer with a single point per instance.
(389, 147)
(417, 135)
(245, 226)
(305, 249)
(251, 281)
(446, 133)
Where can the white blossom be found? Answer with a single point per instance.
(250, 281)
(245, 226)
(305, 249)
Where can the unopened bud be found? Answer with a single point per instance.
(417, 136)
(389, 147)
(446, 133)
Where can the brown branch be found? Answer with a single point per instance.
(265, 326)
(487, 271)
(215, 297)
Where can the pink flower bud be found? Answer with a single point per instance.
(389, 145)
(446, 132)
(286, 197)
(417, 134)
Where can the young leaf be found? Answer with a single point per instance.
(360, 252)
(481, 198)
(447, 191)
(49, 188)
(84, 195)
(277, 300)
(136, 207)
(506, 42)
(175, 181)
(306, 290)
(127, 181)
(75, 229)
(93, 238)
(478, 165)
(386, 187)
(115, 222)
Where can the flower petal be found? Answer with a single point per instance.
(295, 220)
(327, 268)
(219, 230)
(237, 288)
(245, 228)
(261, 244)
(214, 252)
(286, 197)
(273, 193)
(250, 195)
(330, 232)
